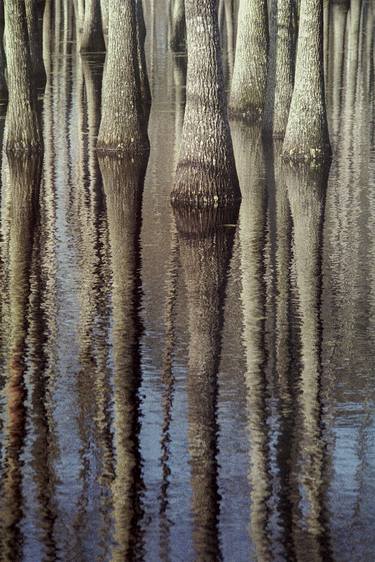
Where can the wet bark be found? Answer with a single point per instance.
(249, 82)
(177, 25)
(22, 124)
(123, 127)
(91, 39)
(206, 173)
(281, 70)
(205, 245)
(306, 136)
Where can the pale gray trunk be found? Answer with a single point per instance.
(79, 11)
(249, 82)
(306, 136)
(177, 39)
(123, 127)
(104, 5)
(339, 11)
(91, 38)
(205, 251)
(281, 71)
(206, 173)
(34, 29)
(22, 126)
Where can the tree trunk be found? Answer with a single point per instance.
(91, 39)
(22, 124)
(306, 136)
(205, 251)
(34, 29)
(281, 72)
(3, 83)
(177, 39)
(249, 82)
(105, 17)
(123, 127)
(143, 77)
(206, 173)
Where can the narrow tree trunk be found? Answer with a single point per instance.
(206, 173)
(34, 29)
(249, 82)
(104, 4)
(91, 38)
(123, 127)
(306, 136)
(177, 39)
(3, 83)
(281, 77)
(143, 77)
(22, 126)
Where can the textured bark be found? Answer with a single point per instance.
(177, 26)
(206, 173)
(91, 39)
(3, 84)
(205, 245)
(22, 126)
(34, 29)
(281, 71)
(123, 187)
(123, 127)
(249, 82)
(307, 137)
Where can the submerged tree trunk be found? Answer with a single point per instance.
(249, 82)
(205, 251)
(281, 79)
(306, 136)
(22, 126)
(34, 29)
(91, 38)
(177, 25)
(206, 173)
(123, 127)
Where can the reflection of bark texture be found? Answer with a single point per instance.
(23, 184)
(251, 169)
(205, 243)
(123, 127)
(21, 120)
(206, 173)
(306, 192)
(249, 80)
(123, 186)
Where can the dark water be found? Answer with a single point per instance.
(190, 387)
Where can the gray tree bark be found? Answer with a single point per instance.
(205, 251)
(177, 25)
(91, 39)
(104, 4)
(281, 70)
(22, 126)
(123, 127)
(306, 136)
(249, 82)
(206, 173)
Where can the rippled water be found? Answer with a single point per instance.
(193, 386)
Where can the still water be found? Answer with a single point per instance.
(188, 387)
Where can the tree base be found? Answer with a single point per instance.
(308, 155)
(123, 150)
(251, 114)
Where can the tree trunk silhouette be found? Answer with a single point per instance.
(104, 6)
(34, 30)
(177, 25)
(248, 90)
(281, 69)
(205, 244)
(123, 127)
(3, 83)
(306, 136)
(91, 38)
(22, 124)
(143, 77)
(206, 173)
